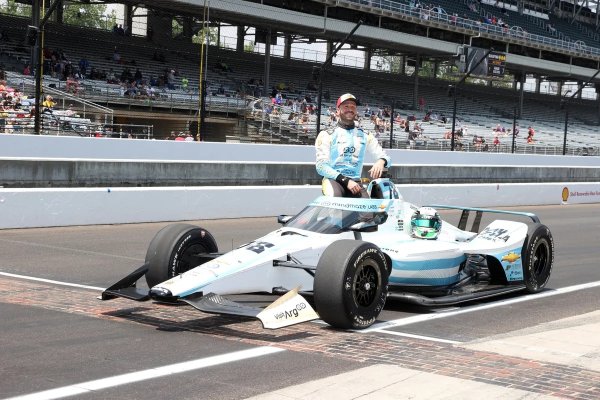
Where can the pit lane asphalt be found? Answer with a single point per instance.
(49, 347)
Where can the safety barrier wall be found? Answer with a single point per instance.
(91, 173)
(22, 208)
(574, 180)
(76, 148)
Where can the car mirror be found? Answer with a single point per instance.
(283, 219)
(363, 227)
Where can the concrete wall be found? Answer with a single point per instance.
(49, 161)
(22, 208)
(63, 158)
(73, 148)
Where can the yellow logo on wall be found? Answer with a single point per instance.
(565, 194)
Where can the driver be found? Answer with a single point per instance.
(341, 152)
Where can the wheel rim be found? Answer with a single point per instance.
(186, 261)
(366, 283)
(541, 257)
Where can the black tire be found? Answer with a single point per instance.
(538, 257)
(170, 252)
(351, 284)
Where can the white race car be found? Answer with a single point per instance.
(349, 255)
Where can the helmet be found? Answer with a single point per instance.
(426, 223)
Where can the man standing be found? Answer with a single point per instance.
(341, 152)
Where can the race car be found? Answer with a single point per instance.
(348, 256)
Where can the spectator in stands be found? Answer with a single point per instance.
(530, 134)
(27, 70)
(84, 65)
(72, 85)
(138, 76)
(171, 80)
(111, 77)
(340, 153)
(116, 56)
(48, 105)
(185, 84)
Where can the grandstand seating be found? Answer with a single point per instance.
(479, 109)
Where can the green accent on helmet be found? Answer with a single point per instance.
(426, 224)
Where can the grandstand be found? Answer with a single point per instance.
(548, 43)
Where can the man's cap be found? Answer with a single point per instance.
(345, 97)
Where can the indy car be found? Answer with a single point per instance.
(348, 256)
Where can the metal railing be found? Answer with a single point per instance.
(426, 17)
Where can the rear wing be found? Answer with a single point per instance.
(464, 217)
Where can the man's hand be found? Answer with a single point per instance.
(354, 187)
(377, 169)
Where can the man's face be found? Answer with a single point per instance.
(347, 111)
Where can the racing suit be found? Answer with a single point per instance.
(340, 156)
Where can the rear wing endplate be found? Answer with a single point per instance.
(464, 217)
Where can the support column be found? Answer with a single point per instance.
(403, 66)
(559, 88)
(266, 85)
(537, 85)
(128, 18)
(59, 14)
(522, 79)
(188, 28)
(416, 83)
(287, 46)
(330, 47)
(368, 55)
(241, 35)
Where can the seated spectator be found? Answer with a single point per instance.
(185, 84)
(48, 105)
(116, 56)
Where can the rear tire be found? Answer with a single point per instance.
(538, 257)
(171, 251)
(351, 284)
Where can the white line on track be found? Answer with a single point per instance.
(33, 278)
(381, 327)
(153, 373)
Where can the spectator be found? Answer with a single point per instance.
(84, 64)
(48, 104)
(185, 83)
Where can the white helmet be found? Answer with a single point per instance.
(426, 223)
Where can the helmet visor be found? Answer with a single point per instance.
(425, 223)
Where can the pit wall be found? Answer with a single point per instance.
(26, 208)
(45, 207)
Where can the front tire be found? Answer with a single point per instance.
(538, 257)
(351, 284)
(172, 251)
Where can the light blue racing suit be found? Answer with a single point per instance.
(342, 151)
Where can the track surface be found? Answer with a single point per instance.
(54, 335)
